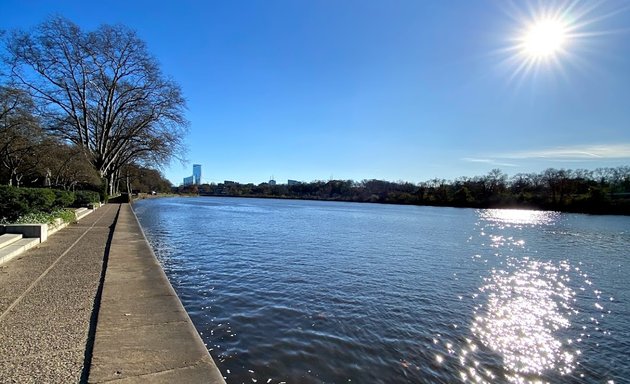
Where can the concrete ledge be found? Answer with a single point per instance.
(143, 333)
(59, 225)
(9, 238)
(80, 213)
(35, 230)
(56, 228)
(35, 233)
(10, 251)
(18, 238)
(29, 230)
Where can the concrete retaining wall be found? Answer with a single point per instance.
(29, 230)
(143, 333)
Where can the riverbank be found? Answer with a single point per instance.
(620, 207)
(602, 191)
(92, 305)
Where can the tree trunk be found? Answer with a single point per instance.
(110, 184)
(18, 180)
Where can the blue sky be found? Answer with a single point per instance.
(394, 90)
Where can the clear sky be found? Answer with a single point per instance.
(393, 90)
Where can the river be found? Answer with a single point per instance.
(327, 292)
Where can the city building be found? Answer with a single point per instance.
(195, 179)
(197, 174)
(292, 182)
(272, 182)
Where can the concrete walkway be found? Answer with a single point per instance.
(56, 300)
(47, 298)
(143, 333)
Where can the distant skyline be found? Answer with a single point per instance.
(404, 90)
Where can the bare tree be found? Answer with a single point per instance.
(67, 167)
(20, 136)
(102, 91)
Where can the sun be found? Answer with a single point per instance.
(548, 39)
(544, 38)
(551, 40)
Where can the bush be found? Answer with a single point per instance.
(18, 202)
(38, 199)
(63, 199)
(12, 205)
(86, 198)
(67, 215)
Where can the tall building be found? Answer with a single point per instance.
(197, 174)
(195, 179)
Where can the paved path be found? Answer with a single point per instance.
(143, 333)
(92, 305)
(47, 297)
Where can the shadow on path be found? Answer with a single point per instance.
(89, 346)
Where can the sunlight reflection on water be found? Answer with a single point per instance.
(526, 307)
(518, 217)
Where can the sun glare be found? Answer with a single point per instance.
(548, 38)
(544, 38)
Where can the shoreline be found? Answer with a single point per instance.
(143, 331)
(549, 207)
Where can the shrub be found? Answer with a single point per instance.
(67, 215)
(38, 199)
(86, 197)
(63, 198)
(12, 205)
(19, 202)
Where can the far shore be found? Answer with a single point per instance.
(547, 207)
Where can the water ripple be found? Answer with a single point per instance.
(315, 292)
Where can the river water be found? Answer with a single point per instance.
(328, 292)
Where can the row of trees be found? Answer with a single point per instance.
(30, 156)
(603, 190)
(146, 180)
(84, 107)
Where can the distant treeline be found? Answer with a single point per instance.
(602, 191)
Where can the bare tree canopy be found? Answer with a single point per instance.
(102, 91)
(20, 135)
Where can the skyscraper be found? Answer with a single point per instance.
(197, 174)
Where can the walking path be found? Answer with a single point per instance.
(47, 296)
(143, 333)
(57, 299)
